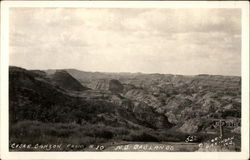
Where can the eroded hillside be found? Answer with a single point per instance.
(120, 106)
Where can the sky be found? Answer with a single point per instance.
(147, 40)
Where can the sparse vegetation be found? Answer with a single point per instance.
(51, 108)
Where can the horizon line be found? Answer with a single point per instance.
(149, 73)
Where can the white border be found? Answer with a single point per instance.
(5, 154)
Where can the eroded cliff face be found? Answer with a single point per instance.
(58, 97)
(186, 104)
(183, 100)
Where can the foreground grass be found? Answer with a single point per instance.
(87, 137)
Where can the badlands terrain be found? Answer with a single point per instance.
(93, 108)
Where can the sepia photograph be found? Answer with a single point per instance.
(125, 79)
